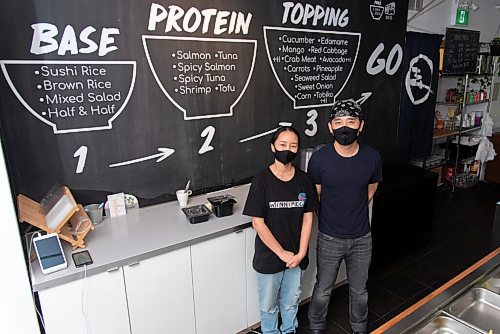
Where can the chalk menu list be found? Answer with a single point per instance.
(312, 66)
(202, 77)
(460, 51)
(72, 96)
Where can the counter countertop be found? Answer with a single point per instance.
(142, 234)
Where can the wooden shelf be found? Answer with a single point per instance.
(467, 160)
(440, 133)
(429, 162)
(471, 129)
(80, 221)
(452, 75)
(478, 102)
(453, 104)
(30, 212)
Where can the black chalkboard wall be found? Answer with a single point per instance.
(94, 93)
(460, 51)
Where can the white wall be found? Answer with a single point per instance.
(17, 312)
(486, 20)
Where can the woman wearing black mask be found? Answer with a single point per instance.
(281, 202)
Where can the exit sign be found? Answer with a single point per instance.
(459, 13)
(462, 17)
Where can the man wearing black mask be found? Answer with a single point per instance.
(346, 175)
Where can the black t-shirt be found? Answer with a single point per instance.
(344, 189)
(282, 204)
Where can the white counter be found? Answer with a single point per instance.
(145, 233)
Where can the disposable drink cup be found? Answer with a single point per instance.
(94, 213)
(182, 197)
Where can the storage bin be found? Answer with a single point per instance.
(222, 205)
(197, 214)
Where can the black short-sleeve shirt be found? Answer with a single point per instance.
(344, 189)
(282, 204)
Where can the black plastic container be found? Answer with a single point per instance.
(222, 205)
(197, 214)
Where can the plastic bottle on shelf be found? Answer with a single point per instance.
(449, 96)
(478, 116)
(466, 168)
(470, 97)
(474, 167)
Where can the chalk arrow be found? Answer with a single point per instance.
(164, 153)
(266, 133)
(364, 97)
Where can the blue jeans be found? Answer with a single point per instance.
(330, 253)
(280, 291)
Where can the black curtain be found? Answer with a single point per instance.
(418, 95)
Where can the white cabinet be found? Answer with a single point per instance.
(309, 278)
(210, 287)
(219, 284)
(96, 305)
(253, 313)
(160, 294)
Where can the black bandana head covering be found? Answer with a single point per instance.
(346, 108)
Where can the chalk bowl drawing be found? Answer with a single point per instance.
(418, 79)
(202, 77)
(311, 66)
(72, 96)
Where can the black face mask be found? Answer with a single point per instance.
(345, 135)
(285, 156)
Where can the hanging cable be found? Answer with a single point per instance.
(83, 300)
(32, 291)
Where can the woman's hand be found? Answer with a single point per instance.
(285, 256)
(295, 261)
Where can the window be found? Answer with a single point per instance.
(415, 5)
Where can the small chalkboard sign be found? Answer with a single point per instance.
(460, 51)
